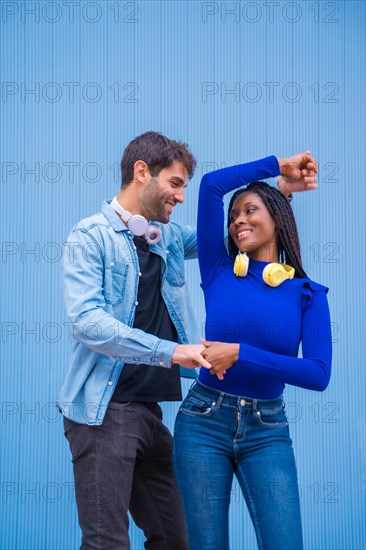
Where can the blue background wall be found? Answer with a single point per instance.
(237, 81)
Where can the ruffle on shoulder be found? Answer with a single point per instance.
(309, 287)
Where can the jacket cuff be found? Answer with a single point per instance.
(164, 353)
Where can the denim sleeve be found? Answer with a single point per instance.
(210, 224)
(92, 325)
(312, 371)
(188, 234)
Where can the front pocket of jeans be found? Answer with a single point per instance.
(274, 418)
(115, 283)
(194, 406)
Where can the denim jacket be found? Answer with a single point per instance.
(101, 276)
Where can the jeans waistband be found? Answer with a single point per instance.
(235, 400)
(119, 404)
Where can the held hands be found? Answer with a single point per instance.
(298, 173)
(221, 356)
(215, 356)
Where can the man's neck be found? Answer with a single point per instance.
(128, 201)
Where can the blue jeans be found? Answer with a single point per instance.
(218, 435)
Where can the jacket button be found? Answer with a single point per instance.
(110, 383)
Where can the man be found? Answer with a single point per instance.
(127, 302)
(128, 306)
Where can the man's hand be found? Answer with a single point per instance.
(298, 173)
(221, 355)
(189, 356)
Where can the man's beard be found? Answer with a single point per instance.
(153, 204)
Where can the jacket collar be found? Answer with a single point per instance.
(112, 217)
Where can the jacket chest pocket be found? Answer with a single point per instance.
(115, 281)
(175, 266)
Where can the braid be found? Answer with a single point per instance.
(281, 212)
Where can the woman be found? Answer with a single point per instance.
(234, 422)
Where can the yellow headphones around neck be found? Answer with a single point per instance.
(273, 274)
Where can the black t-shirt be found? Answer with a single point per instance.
(146, 382)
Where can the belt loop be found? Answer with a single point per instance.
(255, 405)
(220, 399)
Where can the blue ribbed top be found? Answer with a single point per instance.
(269, 323)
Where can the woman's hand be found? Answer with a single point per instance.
(221, 356)
(288, 187)
(298, 173)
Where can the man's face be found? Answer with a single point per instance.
(161, 194)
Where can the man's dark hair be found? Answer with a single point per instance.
(281, 212)
(158, 152)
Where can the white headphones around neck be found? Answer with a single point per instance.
(138, 224)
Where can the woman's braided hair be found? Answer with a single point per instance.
(281, 212)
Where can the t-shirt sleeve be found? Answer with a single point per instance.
(312, 371)
(210, 223)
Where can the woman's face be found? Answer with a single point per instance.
(252, 227)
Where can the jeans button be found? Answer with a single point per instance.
(242, 402)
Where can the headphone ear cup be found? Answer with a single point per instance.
(138, 225)
(274, 274)
(241, 264)
(153, 234)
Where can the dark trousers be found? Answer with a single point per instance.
(126, 464)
